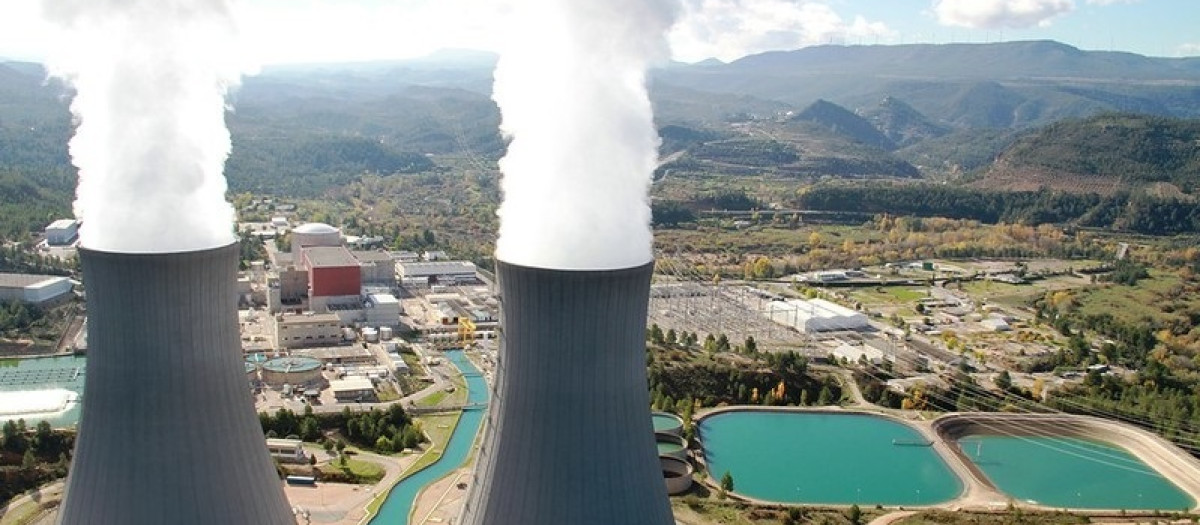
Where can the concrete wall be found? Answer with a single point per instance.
(568, 437)
(168, 432)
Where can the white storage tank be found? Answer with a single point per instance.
(315, 234)
(385, 333)
(370, 335)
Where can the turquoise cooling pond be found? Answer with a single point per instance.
(1072, 473)
(814, 457)
(400, 500)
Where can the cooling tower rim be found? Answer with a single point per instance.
(565, 272)
(114, 254)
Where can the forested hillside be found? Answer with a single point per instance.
(983, 119)
(1135, 149)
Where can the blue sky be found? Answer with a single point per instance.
(277, 31)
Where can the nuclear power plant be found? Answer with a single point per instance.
(168, 432)
(568, 436)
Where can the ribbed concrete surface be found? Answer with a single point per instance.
(168, 433)
(568, 437)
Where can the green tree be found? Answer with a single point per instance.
(1003, 380)
(751, 345)
(824, 397)
(28, 460)
(727, 481)
(656, 334)
(722, 343)
(854, 514)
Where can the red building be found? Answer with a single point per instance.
(332, 271)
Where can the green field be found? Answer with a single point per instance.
(1149, 299)
(1002, 293)
(364, 471)
(892, 295)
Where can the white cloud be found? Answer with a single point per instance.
(1190, 49)
(1000, 14)
(23, 33)
(730, 29)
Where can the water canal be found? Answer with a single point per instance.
(399, 502)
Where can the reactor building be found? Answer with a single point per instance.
(168, 432)
(568, 436)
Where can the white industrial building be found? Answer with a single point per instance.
(294, 331)
(853, 353)
(815, 315)
(34, 289)
(353, 389)
(382, 310)
(62, 232)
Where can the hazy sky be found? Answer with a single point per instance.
(278, 31)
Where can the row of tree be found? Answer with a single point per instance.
(30, 458)
(715, 383)
(388, 430)
(1134, 212)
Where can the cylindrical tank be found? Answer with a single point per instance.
(671, 445)
(568, 437)
(315, 234)
(370, 335)
(385, 333)
(668, 423)
(294, 370)
(677, 473)
(168, 432)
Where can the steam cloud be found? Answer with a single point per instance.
(150, 81)
(571, 86)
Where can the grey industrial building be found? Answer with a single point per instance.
(569, 438)
(378, 268)
(62, 232)
(33, 289)
(168, 432)
(437, 272)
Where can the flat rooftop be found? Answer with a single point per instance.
(372, 256)
(329, 257)
(351, 384)
(310, 318)
(423, 269)
(22, 280)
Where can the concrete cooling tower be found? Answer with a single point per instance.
(168, 433)
(569, 438)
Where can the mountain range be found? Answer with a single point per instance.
(964, 112)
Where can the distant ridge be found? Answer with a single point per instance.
(1035, 58)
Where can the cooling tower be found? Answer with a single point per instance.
(569, 438)
(168, 433)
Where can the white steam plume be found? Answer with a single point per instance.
(571, 86)
(150, 81)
